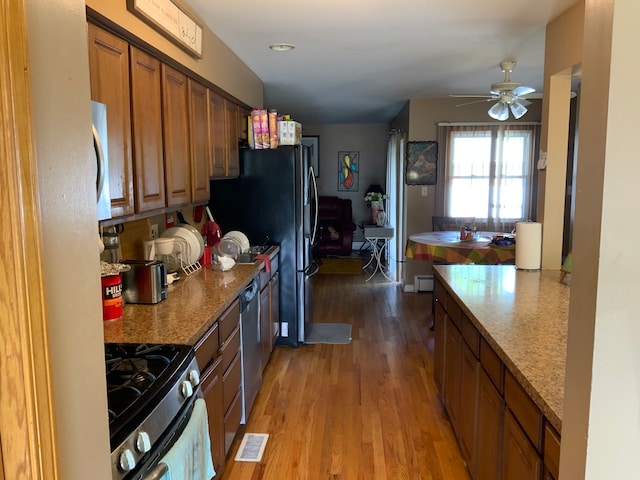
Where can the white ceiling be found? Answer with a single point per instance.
(358, 61)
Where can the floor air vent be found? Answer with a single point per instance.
(423, 283)
(252, 447)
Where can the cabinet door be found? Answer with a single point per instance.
(212, 392)
(199, 140)
(176, 137)
(275, 308)
(469, 368)
(519, 459)
(439, 347)
(265, 326)
(146, 108)
(243, 124)
(233, 165)
(452, 373)
(489, 429)
(218, 134)
(109, 77)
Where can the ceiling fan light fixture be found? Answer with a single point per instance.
(282, 47)
(499, 111)
(518, 109)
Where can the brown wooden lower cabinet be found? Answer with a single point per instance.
(469, 369)
(439, 347)
(452, 372)
(502, 433)
(489, 429)
(520, 461)
(211, 385)
(218, 356)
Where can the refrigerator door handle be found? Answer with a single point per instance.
(312, 269)
(312, 178)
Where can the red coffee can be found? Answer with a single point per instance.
(112, 297)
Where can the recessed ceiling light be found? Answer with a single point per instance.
(281, 47)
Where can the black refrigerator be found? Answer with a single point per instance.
(274, 202)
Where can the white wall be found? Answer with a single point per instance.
(66, 182)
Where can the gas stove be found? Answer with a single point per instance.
(149, 389)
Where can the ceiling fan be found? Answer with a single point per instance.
(509, 95)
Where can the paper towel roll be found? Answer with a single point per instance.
(528, 245)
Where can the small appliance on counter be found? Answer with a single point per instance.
(146, 282)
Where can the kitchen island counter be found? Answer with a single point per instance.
(523, 315)
(193, 304)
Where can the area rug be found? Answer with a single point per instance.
(345, 266)
(333, 333)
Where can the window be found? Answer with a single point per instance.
(488, 172)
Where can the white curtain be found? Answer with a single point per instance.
(395, 203)
(488, 173)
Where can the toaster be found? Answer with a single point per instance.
(145, 282)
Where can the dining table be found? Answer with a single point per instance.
(447, 247)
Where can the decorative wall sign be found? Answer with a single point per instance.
(171, 21)
(348, 171)
(422, 161)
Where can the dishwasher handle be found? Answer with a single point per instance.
(248, 294)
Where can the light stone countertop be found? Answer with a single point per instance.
(193, 304)
(523, 315)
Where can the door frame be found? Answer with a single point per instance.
(27, 427)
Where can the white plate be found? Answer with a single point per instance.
(191, 236)
(240, 237)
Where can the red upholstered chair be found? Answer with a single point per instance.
(335, 227)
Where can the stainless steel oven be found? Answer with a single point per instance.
(153, 392)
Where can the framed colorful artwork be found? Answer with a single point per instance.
(348, 171)
(422, 162)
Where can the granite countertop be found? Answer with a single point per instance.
(193, 304)
(524, 316)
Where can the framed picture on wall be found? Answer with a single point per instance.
(313, 142)
(422, 162)
(348, 171)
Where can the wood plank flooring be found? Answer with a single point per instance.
(367, 410)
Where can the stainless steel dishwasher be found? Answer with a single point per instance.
(250, 347)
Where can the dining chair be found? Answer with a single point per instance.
(451, 224)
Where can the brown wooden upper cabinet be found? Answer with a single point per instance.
(146, 110)
(175, 124)
(200, 141)
(223, 131)
(109, 74)
(232, 114)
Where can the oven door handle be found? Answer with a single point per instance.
(158, 472)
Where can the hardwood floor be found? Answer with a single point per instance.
(367, 410)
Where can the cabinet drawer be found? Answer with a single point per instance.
(551, 450)
(454, 312)
(230, 348)
(208, 346)
(492, 365)
(231, 382)
(471, 335)
(525, 411)
(229, 320)
(232, 421)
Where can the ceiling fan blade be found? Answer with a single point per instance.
(532, 96)
(518, 109)
(523, 101)
(499, 111)
(522, 90)
(475, 101)
(470, 96)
